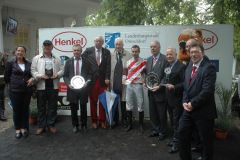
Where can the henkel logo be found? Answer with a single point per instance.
(210, 39)
(65, 40)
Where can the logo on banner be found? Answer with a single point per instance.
(65, 40)
(110, 39)
(210, 39)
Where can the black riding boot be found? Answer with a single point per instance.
(129, 119)
(141, 117)
(124, 114)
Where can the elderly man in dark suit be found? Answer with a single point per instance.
(100, 59)
(77, 65)
(173, 78)
(198, 103)
(157, 108)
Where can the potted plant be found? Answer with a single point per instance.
(224, 122)
(33, 112)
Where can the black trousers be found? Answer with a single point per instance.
(20, 102)
(122, 109)
(83, 115)
(174, 113)
(158, 115)
(2, 107)
(47, 107)
(205, 129)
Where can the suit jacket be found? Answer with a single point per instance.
(103, 71)
(176, 78)
(16, 78)
(200, 92)
(69, 72)
(158, 68)
(125, 57)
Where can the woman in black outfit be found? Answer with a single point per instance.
(18, 76)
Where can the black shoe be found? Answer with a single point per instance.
(198, 158)
(84, 128)
(196, 149)
(174, 149)
(170, 143)
(75, 129)
(18, 135)
(25, 134)
(153, 134)
(161, 136)
(129, 127)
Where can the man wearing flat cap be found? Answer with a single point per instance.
(47, 70)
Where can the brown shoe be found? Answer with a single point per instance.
(103, 125)
(53, 130)
(94, 125)
(40, 131)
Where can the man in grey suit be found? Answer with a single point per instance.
(157, 108)
(77, 65)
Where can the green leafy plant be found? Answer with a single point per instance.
(225, 118)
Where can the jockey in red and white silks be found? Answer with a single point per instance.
(134, 82)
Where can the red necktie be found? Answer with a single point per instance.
(77, 67)
(194, 70)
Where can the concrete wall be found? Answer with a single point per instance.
(32, 21)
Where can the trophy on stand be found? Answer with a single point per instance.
(49, 68)
(167, 71)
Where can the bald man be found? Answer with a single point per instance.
(157, 108)
(173, 78)
(100, 59)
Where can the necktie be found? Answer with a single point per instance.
(154, 60)
(194, 69)
(98, 58)
(77, 67)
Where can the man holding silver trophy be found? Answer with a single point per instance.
(77, 76)
(47, 71)
(156, 93)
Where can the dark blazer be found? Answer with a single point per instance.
(176, 78)
(200, 92)
(158, 68)
(103, 71)
(16, 78)
(69, 73)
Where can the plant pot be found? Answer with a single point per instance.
(221, 134)
(32, 120)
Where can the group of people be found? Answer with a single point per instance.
(185, 92)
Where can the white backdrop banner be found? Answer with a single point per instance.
(217, 40)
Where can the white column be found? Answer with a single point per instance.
(1, 30)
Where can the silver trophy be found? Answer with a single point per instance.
(77, 82)
(167, 72)
(152, 80)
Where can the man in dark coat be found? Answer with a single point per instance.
(100, 59)
(157, 108)
(198, 103)
(173, 78)
(77, 66)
